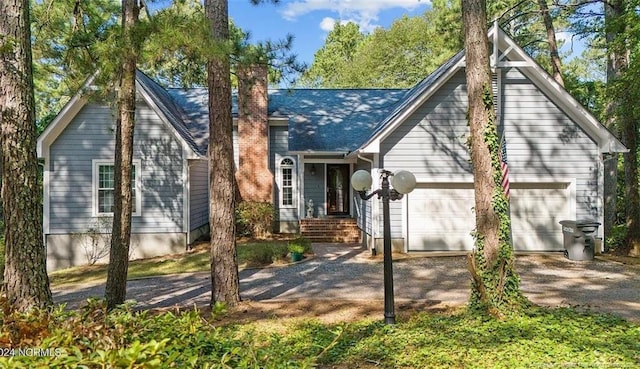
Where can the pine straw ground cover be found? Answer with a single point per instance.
(93, 338)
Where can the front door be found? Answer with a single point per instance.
(338, 189)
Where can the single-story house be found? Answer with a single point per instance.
(295, 147)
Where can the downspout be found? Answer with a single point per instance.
(365, 159)
(364, 231)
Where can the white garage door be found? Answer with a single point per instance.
(536, 210)
(440, 216)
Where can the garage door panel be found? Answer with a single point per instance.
(440, 219)
(440, 216)
(535, 216)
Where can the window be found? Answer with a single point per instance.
(104, 186)
(287, 181)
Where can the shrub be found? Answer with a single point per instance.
(617, 236)
(300, 245)
(254, 219)
(96, 240)
(259, 254)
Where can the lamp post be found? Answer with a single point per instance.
(403, 182)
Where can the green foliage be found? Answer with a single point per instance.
(616, 237)
(413, 47)
(396, 57)
(262, 253)
(496, 285)
(254, 219)
(299, 245)
(250, 254)
(70, 40)
(332, 58)
(93, 337)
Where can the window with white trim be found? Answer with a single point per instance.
(104, 187)
(287, 182)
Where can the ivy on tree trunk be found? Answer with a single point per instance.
(495, 285)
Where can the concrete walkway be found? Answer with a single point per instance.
(347, 272)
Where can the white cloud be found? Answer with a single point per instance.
(327, 24)
(362, 12)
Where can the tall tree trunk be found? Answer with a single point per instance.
(25, 275)
(632, 187)
(116, 287)
(224, 263)
(620, 113)
(496, 286)
(615, 60)
(556, 63)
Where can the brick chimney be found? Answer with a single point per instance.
(255, 180)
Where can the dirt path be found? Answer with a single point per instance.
(344, 282)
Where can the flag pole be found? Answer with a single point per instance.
(504, 166)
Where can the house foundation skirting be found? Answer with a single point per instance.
(397, 245)
(195, 234)
(67, 250)
(290, 226)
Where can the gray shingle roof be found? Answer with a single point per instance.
(331, 120)
(171, 110)
(320, 120)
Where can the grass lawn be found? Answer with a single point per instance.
(251, 253)
(191, 338)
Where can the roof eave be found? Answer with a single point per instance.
(607, 141)
(190, 152)
(63, 118)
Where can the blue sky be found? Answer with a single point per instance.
(309, 21)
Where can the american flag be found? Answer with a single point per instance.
(504, 166)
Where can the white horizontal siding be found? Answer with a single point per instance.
(91, 136)
(542, 142)
(431, 143)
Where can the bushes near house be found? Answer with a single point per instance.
(254, 219)
(250, 254)
(255, 254)
(299, 245)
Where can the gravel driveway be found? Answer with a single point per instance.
(345, 272)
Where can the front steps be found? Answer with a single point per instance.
(338, 230)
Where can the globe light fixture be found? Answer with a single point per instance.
(361, 180)
(403, 183)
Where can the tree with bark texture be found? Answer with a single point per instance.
(495, 283)
(622, 112)
(25, 275)
(222, 201)
(116, 287)
(556, 62)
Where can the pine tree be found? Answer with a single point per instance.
(224, 264)
(25, 275)
(116, 287)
